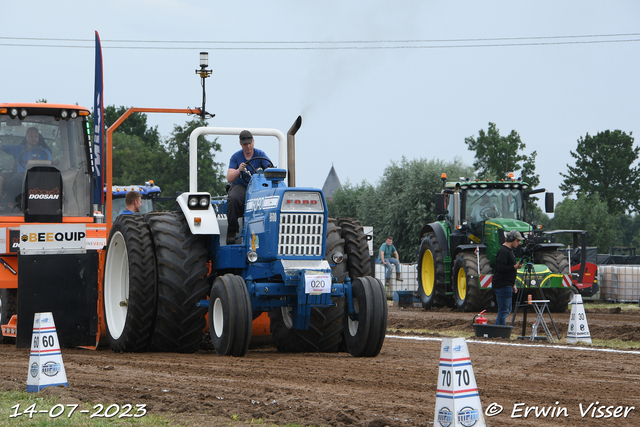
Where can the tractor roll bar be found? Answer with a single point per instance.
(193, 147)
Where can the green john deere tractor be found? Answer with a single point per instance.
(457, 253)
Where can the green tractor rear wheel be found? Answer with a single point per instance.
(559, 298)
(466, 288)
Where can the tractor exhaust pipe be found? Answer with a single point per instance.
(291, 151)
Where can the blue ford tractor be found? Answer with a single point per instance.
(311, 273)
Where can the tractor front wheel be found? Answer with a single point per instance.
(431, 273)
(230, 316)
(129, 285)
(364, 333)
(466, 288)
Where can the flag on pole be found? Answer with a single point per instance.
(98, 128)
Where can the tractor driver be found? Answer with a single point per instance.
(239, 178)
(30, 149)
(485, 209)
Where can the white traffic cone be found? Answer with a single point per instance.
(457, 399)
(45, 361)
(578, 327)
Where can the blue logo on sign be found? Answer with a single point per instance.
(457, 348)
(445, 417)
(468, 416)
(51, 369)
(34, 369)
(446, 348)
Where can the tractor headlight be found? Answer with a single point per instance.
(337, 257)
(198, 201)
(64, 114)
(23, 113)
(252, 256)
(14, 112)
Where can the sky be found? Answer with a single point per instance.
(374, 81)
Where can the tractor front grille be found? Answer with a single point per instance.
(301, 234)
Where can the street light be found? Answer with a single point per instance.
(204, 73)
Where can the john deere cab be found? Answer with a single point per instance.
(457, 253)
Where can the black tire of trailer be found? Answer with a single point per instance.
(230, 316)
(466, 289)
(9, 300)
(356, 248)
(559, 298)
(364, 335)
(182, 282)
(129, 249)
(431, 287)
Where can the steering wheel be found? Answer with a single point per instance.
(248, 162)
(489, 212)
(23, 162)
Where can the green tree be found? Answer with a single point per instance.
(134, 125)
(604, 165)
(175, 178)
(497, 155)
(401, 204)
(350, 200)
(591, 214)
(134, 162)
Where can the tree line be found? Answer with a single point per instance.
(601, 191)
(140, 154)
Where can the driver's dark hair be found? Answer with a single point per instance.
(131, 197)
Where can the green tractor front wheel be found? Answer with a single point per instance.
(431, 286)
(466, 284)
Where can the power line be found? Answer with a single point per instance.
(324, 48)
(326, 41)
(364, 44)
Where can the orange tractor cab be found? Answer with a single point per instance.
(49, 240)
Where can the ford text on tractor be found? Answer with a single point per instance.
(291, 262)
(457, 253)
(49, 242)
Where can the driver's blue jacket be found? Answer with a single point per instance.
(17, 151)
(238, 157)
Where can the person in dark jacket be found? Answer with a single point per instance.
(504, 278)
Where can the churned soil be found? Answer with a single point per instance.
(518, 381)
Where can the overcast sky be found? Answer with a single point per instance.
(373, 80)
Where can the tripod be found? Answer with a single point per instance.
(529, 282)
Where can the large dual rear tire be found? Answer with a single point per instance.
(230, 316)
(182, 282)
(357, 256)
(364, 333)
(129, 285)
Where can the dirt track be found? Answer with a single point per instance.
(397, 388)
